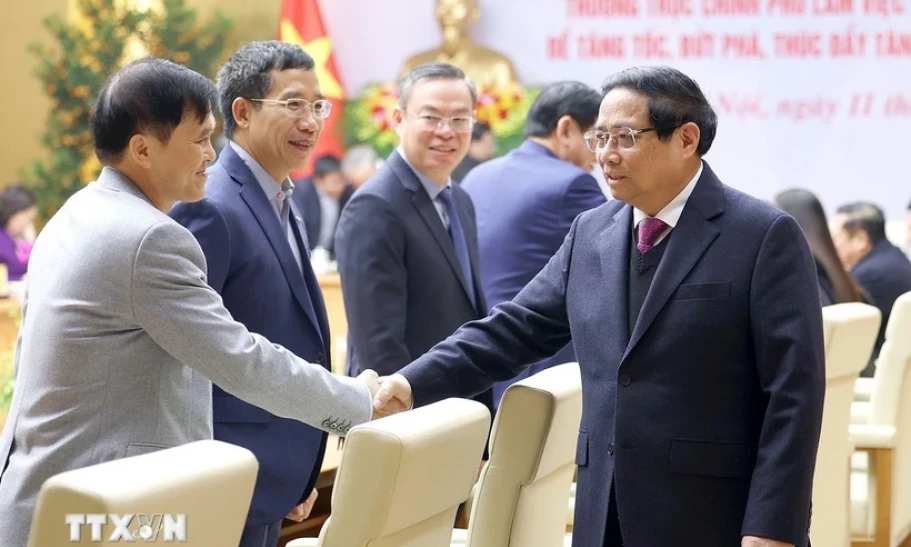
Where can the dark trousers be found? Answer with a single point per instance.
(261, 535)
(612, 536)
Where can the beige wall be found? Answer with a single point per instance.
(23, 105)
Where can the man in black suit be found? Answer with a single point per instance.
(407, 241)
(695, 315)
(321, 199)
(483, 147)
(881, 268)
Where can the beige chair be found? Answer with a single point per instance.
(521, 498)
(208, 484)
(881, 428)
(850, 334)
(402, 478)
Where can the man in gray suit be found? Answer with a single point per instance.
(121, 336)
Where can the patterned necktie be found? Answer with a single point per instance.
(649, 230)
(458, 239)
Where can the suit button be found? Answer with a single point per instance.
(610, 448)
(624, 380)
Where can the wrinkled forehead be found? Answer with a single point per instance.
(623, 107)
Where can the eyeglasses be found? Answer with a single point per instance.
(299, 108)
(625, 137)
(459, 124)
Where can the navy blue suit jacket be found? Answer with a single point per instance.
(250, 263)
(525, 203)
(885, 273)
(403, 286)
(707, 415)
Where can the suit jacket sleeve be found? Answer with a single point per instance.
(186, 317)
(516, 334)
(786, 322)
(582, 194)
(370, 245)
(208, 225)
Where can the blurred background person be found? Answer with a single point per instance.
(836, 285)
(881, 268)
(17, 218)
(359, 164)
(321, 198)
(483, 147)
(526, 201)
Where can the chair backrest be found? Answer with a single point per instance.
(850, 332)
(199, 492)
(524, 489)
(402, 478)
(890, 405)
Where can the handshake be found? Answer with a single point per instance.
(391, 394)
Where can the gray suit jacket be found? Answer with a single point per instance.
(120, 343)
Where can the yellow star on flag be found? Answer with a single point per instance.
(320, 49)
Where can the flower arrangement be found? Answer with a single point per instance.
(368, 116)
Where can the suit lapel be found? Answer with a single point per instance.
(262, 210)
(691, 237)
(317, 307)
(613, 248)
(431, 217)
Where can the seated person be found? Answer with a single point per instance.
(321, 199)
(483, 147)
(17, 217)
(359, 164)
(881, 268)
(836, 285)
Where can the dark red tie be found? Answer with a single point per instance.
(649, 230)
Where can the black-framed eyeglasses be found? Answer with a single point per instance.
(625, 137)
(298, 108)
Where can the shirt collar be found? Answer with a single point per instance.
(433, 189)
(269, 185)
(672, 211)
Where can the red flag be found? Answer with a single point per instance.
(301, 23)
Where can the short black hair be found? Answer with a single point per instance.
(147, 95)
(673, 100)
(863, 215)
(325, 165)
(14, 199)
(573, 99)
(479, 130)
(433, 71)
(247, 73)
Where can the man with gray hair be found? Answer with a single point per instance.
(359, 164)
(407, 241)
(255, 245)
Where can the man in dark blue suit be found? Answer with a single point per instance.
(880, 267)
(321, 199)
(526, 201)
(407, 241)
(695, 315)
(254, 242)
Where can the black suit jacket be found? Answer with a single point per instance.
(705, 415)
(403, 288)
(885, 273)
(307, 200)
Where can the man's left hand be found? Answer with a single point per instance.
(302, 511)
(753, 541)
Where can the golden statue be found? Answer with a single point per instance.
(486, 67)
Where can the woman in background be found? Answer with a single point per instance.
(836, 285)
(17, 215)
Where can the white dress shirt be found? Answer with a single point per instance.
(671, 212)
